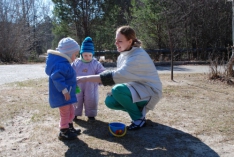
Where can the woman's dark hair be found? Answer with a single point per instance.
(129, 33)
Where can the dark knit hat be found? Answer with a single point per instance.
(87, 46)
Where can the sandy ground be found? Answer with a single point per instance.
(182, 138)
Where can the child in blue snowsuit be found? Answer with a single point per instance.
(62, 85)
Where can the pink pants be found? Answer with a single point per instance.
(66, 116)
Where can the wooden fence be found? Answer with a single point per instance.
(161, 55)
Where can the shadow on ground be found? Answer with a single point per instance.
(153, 140)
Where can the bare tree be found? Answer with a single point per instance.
(231, 60)
(18, 34)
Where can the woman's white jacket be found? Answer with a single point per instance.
(136, 68)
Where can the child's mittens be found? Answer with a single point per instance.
(78, 90)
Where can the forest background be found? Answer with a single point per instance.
(29, 27)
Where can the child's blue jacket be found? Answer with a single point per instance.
(61, 76)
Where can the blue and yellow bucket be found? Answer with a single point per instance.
(117, 129)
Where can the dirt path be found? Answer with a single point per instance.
(22, 72)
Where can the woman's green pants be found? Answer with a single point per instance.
(121, 99)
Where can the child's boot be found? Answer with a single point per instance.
(73, 130)
(75, 118)
(66, 134)
(91, 118)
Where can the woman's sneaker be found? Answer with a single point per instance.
(137, 124)
(66, 134)
(73, 130)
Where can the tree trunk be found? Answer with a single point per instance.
(230, 71)
(230, 64)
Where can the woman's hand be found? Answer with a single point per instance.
(89, 78)
(109, 94)
(81, 79)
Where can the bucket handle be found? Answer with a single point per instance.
(125, 130)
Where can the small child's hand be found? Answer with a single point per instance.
(66, 93)
(67, 96)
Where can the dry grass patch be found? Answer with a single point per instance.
(194, 117)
